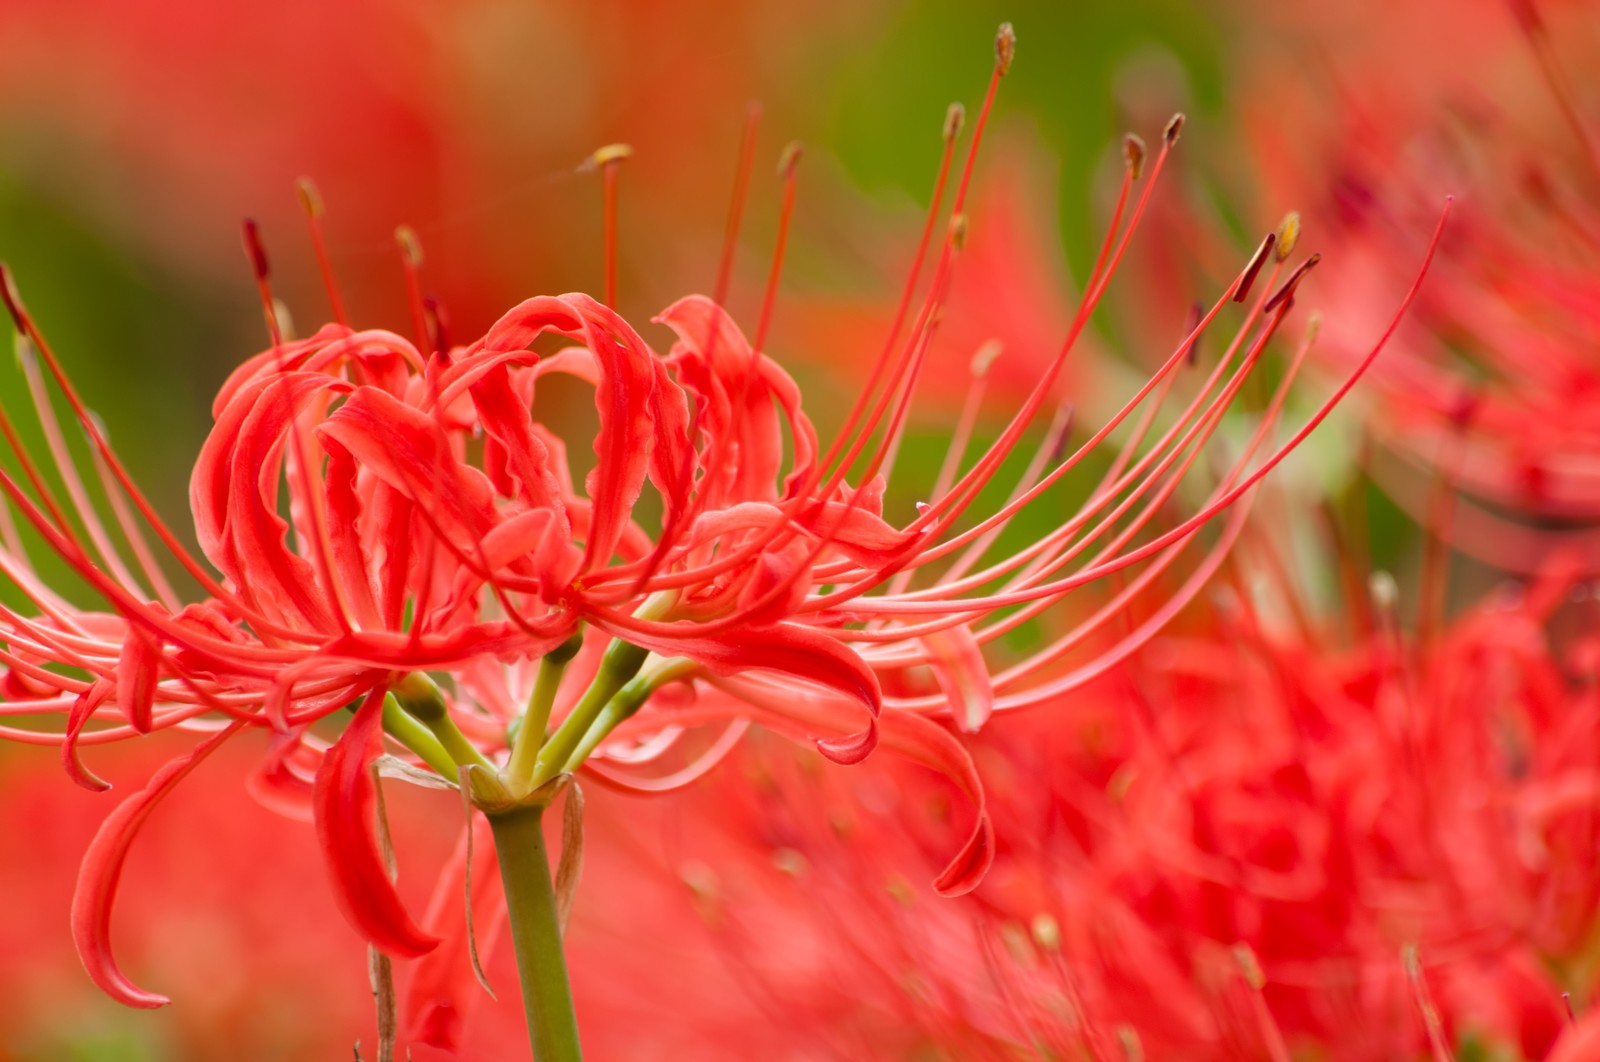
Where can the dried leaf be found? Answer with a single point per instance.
(472, 932)
(569, 868)
(389, 766)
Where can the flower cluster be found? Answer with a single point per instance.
(1239, 845)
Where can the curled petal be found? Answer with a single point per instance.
(138, 670)
(350, 561)
(507, 420)
(626, 380)
(963, 677)
(861, 535)
(625, 397)
(932, 746)
(343, 803)
(791, 650)
(283, 782)
(737, 387)
(88, 702)
(234, 495)
(102, 870)
(671, 464)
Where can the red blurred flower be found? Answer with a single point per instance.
(1495, 380)
(1226, 849)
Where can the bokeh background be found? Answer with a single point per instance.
(134, 138)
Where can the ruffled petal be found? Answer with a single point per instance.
(401, 446)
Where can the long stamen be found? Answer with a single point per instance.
(132, 533)
(910, 359)
(606, 160)
(741, 188)
(405, 237)
(959, 437)
(954, 119)
(311, 203)
(786, 169)
(1209, 511)
(944, 511)
(1115, 479)
(1157, 381)
(1189, 444)
(67, 470)
(257, 255)
(1005, 53)
(1014, 429)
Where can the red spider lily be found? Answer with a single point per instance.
(432, 526)
(1494, 381)
(1238, 846)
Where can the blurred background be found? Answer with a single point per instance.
(134, 139)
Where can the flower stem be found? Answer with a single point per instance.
(416, 737)
(536, 934)
(420, 697)
(621, 662)
(530, 738)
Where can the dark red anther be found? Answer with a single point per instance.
(438, 325)
(255, 250)
(1133, 153)
(1254, 268)
(1197, 314)
(13, 301)
(1005, 49)
(1287, 290)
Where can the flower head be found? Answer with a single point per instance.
(390, 526)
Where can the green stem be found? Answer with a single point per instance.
(620, 663)
(421, 699)
(627, 701)
(530, 737)
(416, 737)
(536, 934)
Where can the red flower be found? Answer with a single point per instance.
(432, 526)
